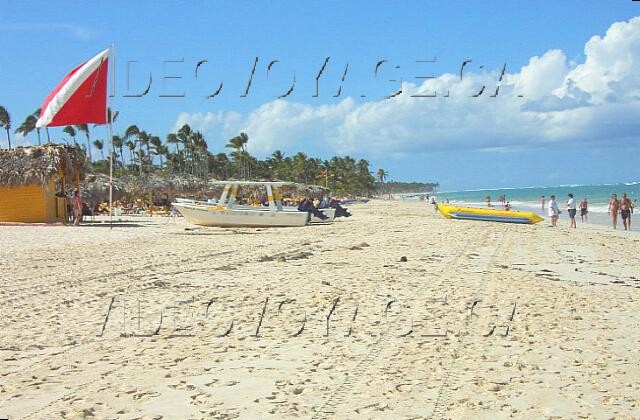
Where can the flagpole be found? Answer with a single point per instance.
(110, 133)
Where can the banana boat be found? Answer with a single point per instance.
(491, 215)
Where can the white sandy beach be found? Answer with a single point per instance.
(482, 320)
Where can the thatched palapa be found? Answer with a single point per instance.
(40, 164)
(95, 188)
(167, 186)
(34, 180)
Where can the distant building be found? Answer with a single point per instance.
(34, 182)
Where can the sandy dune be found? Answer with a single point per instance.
(481, 321)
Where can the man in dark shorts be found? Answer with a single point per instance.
(625, 211)
(584, 209)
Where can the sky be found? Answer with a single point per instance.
(567, 109)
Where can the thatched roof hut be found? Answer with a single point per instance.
(40, 164)
(166, 186)
(34, 180)
(95, 188)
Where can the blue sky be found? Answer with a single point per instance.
(567, 128)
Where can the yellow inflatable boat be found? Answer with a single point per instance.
(491, 215)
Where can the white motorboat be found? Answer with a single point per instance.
(225, 213)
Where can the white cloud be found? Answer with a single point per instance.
(200, 121)
(541, 76)
(595, 101)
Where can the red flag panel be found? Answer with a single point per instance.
(81, 97)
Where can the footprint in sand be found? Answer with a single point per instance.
(183, 386)
(200, 398)
(145, 395)
(213, 382)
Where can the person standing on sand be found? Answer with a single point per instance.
(76, 204)
(614, 206)
(625, 211)
(571, 209)
(584, 209)
(554, 211)
(542, 202)
(488, 200)
(434, 204)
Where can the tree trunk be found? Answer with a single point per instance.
(89, 148)
(38, 132)
(8, 138)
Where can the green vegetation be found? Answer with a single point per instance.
(186, 152)
(410, 187)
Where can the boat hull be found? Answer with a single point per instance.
(489, 215)
(329, 212)
(212, 216)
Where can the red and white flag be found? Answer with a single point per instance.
(81, 97)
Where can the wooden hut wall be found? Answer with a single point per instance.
(22, 203)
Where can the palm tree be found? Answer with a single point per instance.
(5, 122)
(84, 128)
(275, 164)
(118, 143)
(36, 114)
(132, 132)
(184, 136)
(131, 146)
(99, 145)
(28, 126)
(200, 152)
(238, 143)
(173, 139)
(382, 175)
(71, 132)
(163, 150)
(143, 138)
(300, 167)
(157, 147)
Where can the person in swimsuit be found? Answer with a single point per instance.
(614, 206)
(554, 211)
(571, 209)
(542, 202)
(76, 203)
(625, 211)
(584, 209)
(488, 200)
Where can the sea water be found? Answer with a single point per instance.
(528, 198)
(597, 196)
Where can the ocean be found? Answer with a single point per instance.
(528, 198)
